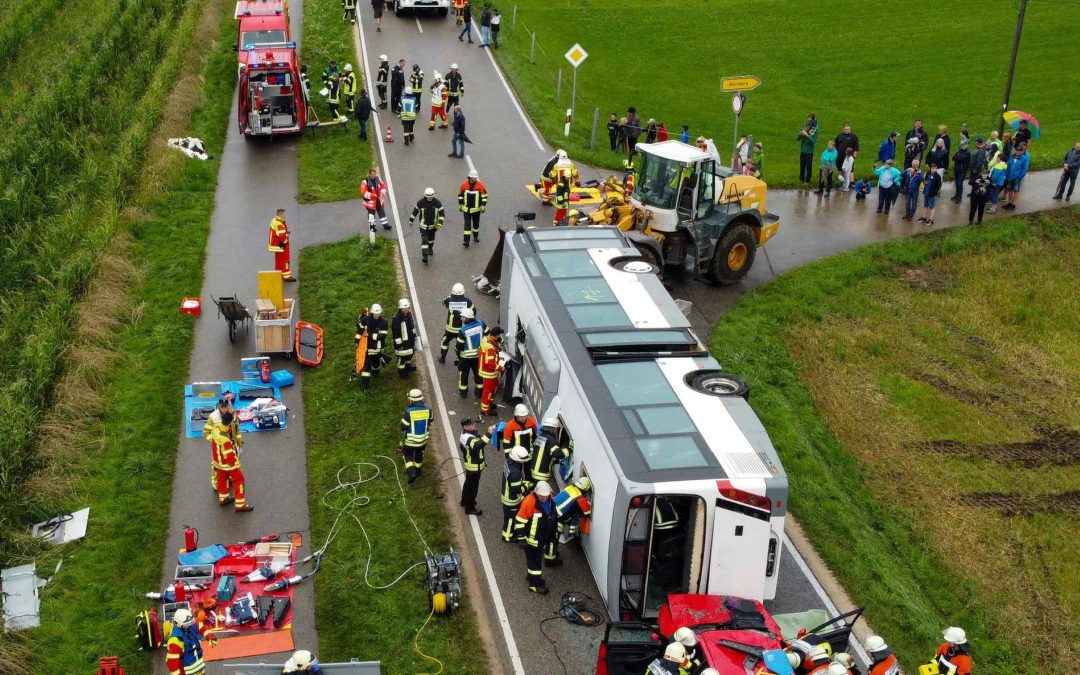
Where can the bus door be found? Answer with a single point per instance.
(663, 552)
(743, 546)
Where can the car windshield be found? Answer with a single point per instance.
(261, 37)
(658, 185)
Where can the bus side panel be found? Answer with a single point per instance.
(776, 547)
(740, 547)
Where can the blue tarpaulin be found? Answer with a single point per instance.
(200, 395)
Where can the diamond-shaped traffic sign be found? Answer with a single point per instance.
(576, 55)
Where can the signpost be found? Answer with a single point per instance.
(738, 85)
(575, 56)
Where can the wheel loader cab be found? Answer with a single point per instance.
(677, 183)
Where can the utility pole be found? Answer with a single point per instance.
(1012, 67)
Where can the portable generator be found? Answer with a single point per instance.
(444, 581)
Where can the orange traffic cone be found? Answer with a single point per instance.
(389, 135)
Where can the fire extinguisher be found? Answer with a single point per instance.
(264, 370)
(191, 538)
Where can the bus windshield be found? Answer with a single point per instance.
(658, 185)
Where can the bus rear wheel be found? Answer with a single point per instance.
(717, 383)
(734, 255)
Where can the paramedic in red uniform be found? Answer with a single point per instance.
(279, 245)
(490, 369)
(227, 462)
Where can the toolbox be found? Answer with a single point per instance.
(270, 552)
(194, 574)
(226, 587)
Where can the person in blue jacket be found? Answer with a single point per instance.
(828, 166)
(887, 150)
(912, 181)
(888, 185)
(1015, 174)
(998, 170)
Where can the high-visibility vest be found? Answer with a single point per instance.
(348, 83)
(472, 197)
(184, 651)
(454, 304)
(572, 503)
(416, 82)
(438, 96)
(416, 423)
(224, 455)
(279, 235)
(408, 109)
(430, 213)
(373, 192)
(472, 450)
(515, 433)
(212, 423)
(489, 358)
(468, 340)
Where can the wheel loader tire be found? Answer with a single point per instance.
(734, 255)
(652, 257)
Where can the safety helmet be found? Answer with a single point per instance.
(955, 635)
(710, 671)
(584, 484)
(457, 289)
(563, 163)
(429, 192)
(793, 659)
(520, 410)
(182, 617)
(474, 174)
(543, 488)
(437, 75)
(301, 658)
(384, 57)
(551, 423)
(844, 659)
(675, 652)
(376, 309)
(821, 651)
(416, 395)
(837, 669)
(875, 643)
(468, 313)
(519, 453)
(684, 635)
(348, 67)
(453, 66)
(404, 304)
(561, 154)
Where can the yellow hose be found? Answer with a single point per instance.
(416, 639)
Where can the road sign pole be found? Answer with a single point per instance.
(735, 142)
(595, 122)
(573, 91)
(558, 86)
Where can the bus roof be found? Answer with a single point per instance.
(658, 424)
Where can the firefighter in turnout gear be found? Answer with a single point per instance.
(408, 118)
(490, 369)
(279, 245)
(349, 7)
(670, 663)
(454, 303)
(329, 72)
(302, 661)
(468, 352)
(882, 659)
(520, 431)
(695, 657)
(372, 322)
(226, 458)
(953, 657)
(513, 488)
(546, 452)
(403, 329)
(629, 173)
(472, 200)
(536, 523)
(416, 425)
(459, 11)
(397, 86)
(472, 457)
(382, 78)
(571, 505)
(566, 177)
(373, 193)
(333, 96)
(348, 83)
(438, 102)
(183, 649)
(224, 405)
(431, 214)
(455, 87)
(416, 83)
(547, 177)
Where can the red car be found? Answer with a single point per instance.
(734, 635)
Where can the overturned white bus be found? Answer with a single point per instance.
(689, 494)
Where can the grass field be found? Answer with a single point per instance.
(108, 437)
(332, 161)
(847, 61)
(351, 435)
(924, 397)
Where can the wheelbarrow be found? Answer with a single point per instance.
(235, 313)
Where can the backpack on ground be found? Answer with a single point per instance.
(148, 630)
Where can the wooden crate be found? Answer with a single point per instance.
(276, 335)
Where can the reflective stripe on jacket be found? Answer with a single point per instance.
(279, 235)
(489, 366)
(416, 423)
(513, 482)
(454, 304)
(224, 455)
(472, 450)
(537, 519)
(468, 340)
(472, 197)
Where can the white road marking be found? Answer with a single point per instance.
(451, 443)
(513, 99)
(418, 26)
(825, 599)
(468, 160)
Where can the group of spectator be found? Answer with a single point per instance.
(625, 132)
(992, 168)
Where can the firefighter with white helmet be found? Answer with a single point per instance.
(416, 426)
(695, 659)
(429, 211)
(348, 87)
(546, 187)
(513, 487)
(565, 177)
(547, 452)
(535, 524)
(183, 649)
(302, 661)
(454, 303)
(382, 79)
(472, 201)
(835, 668)
(520, 431)
(439, 97)
(953, 657)
(403, 330)
(882, 659)
(467, 349)
(372, 323)
(670, 663)
(817, 660)
(455, 87)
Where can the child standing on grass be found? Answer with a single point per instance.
(828, 166)
(847, 167)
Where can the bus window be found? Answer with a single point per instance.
(565, 468)
(663, 552)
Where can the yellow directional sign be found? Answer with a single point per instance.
(576, 55)
(740, 83)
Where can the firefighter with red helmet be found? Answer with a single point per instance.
(279, 245)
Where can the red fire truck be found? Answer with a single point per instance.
(261, 23)
(273, 99)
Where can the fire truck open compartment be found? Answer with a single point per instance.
(272, 101)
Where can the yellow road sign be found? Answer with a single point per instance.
(740, 83)
(576, 55)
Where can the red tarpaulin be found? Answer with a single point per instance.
(240, 562)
